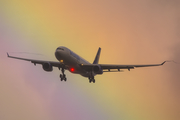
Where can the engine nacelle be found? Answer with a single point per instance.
(97, 69)
(47, 67)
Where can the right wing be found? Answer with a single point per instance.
(55, 64)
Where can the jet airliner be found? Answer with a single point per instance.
(68, 60)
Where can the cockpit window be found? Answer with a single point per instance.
(60, 49)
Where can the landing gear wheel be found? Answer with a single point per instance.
(60, 76)
(63, 77)
(91, 80)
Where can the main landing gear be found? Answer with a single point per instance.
(91, 79)
(63, 76)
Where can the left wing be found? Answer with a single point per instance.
(55, 64)
(118, 67)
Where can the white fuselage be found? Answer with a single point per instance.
(72, 60)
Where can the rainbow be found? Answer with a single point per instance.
(40, 26)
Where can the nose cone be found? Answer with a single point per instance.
(61, 53)
(58, 54)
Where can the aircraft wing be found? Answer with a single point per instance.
(55, 64)
(118, 67)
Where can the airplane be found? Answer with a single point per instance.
(68, 60)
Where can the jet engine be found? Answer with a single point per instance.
(97, 69)
(47, 67)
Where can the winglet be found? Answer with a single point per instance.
(7, 54)
(163, 63)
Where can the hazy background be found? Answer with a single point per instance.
(129, 32)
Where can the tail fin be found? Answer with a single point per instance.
(96, 60)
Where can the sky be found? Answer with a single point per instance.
(129, 32)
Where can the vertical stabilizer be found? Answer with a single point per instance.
(96, 60)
